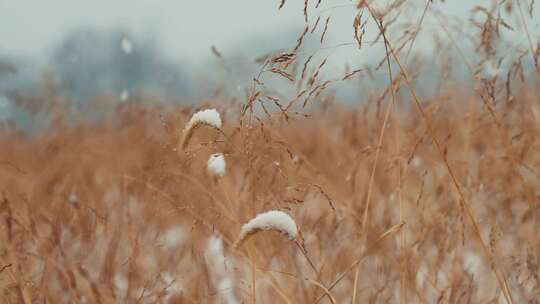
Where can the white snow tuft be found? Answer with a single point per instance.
(271, 220)
(208, 117)
(216, 165)
(226, 290)
(174, 237)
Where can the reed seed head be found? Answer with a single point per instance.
(271, 220)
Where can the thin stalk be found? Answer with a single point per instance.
(490, 259)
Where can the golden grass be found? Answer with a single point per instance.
(445, 210)
(111, 212)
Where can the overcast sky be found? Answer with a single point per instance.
(185, 28)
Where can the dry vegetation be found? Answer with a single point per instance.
(396, 199)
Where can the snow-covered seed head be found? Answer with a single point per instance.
(208, 117)
(216, 165)
(271, 220)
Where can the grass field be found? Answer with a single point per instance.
(397, 199)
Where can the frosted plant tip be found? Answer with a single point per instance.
(216, 165)
(271, 220)
(208, 117)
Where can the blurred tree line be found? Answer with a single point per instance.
(88, 63)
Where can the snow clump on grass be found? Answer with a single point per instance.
(208, 117)
(271, 220)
